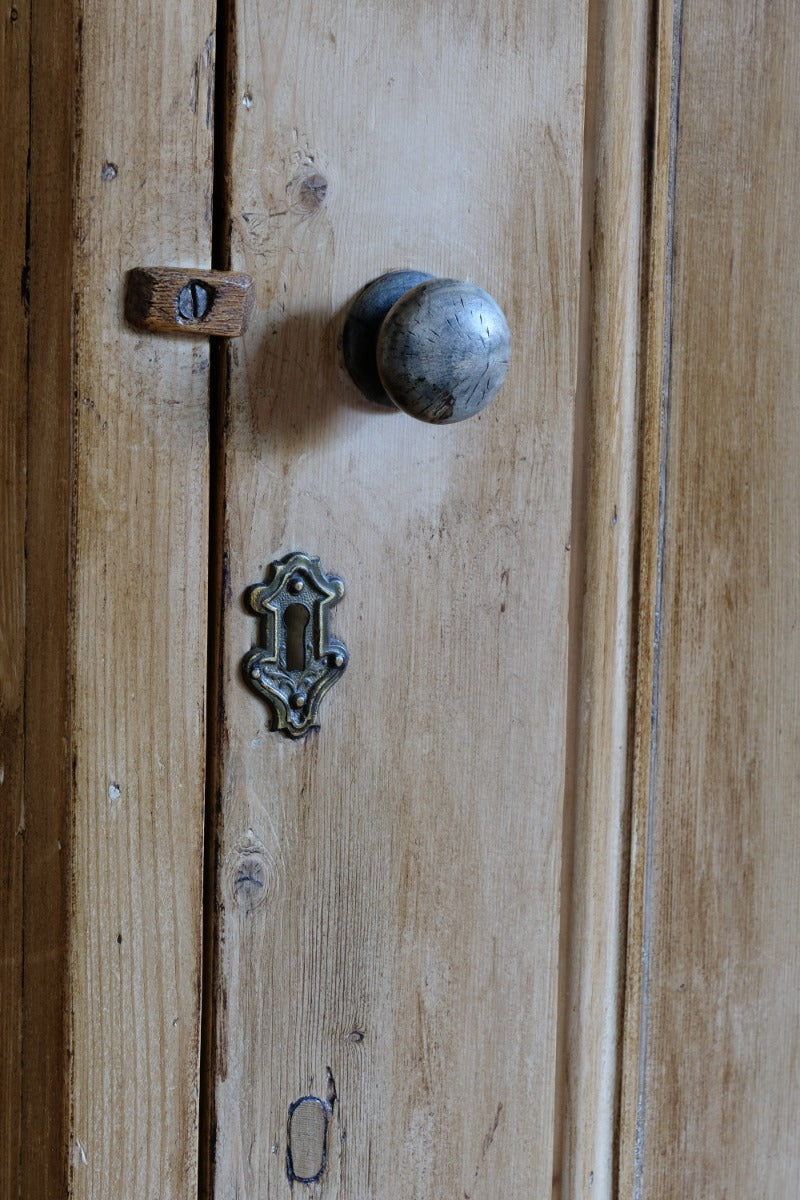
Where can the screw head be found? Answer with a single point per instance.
(194, 300)
(296, 584)
(298, 700)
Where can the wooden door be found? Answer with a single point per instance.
(382, 903)
(387, 890)
(519, 917)
(712, 1062)
(105, 548)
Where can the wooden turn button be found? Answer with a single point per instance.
(181, 300)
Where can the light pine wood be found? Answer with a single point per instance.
(716, 1058)
(417, 913)
(654, 291)
(388, 903)
(140, 591)
(605, 538)
(116, 553)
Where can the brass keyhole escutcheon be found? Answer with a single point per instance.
(297, 661)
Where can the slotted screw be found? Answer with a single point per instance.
(194, 300)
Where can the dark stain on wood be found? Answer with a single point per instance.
(307, 1137)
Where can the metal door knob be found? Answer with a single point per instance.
(438, 349)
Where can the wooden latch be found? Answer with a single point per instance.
(182, 300)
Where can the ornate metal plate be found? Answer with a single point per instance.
(298, 661)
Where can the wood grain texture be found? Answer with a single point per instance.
(388, 896)
(14, 141)
(140, 609)
(43, 1165)
(718, 1056)
(187, 300)
(605, 553)
(655, 293)
(117, 437)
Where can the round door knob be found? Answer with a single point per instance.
(436, 348)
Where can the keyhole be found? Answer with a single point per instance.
(295, 618)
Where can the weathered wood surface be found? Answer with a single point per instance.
(187, 300)
(388, 923)
(14, 81)
(140, 591)
(713, 1071)
(605, 593)
(401, 931)
(116, 550)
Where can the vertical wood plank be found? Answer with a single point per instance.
(719, 1053)
(388, 890)
(14, 142)
(143, 196)
(117, 548)
(656, 306)
(605, 552)
(44, 1162)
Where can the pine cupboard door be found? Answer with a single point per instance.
(397, 912)
(711, 1081)
(519, 917)
(387, 890)
(349, 972)
(107, 165)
